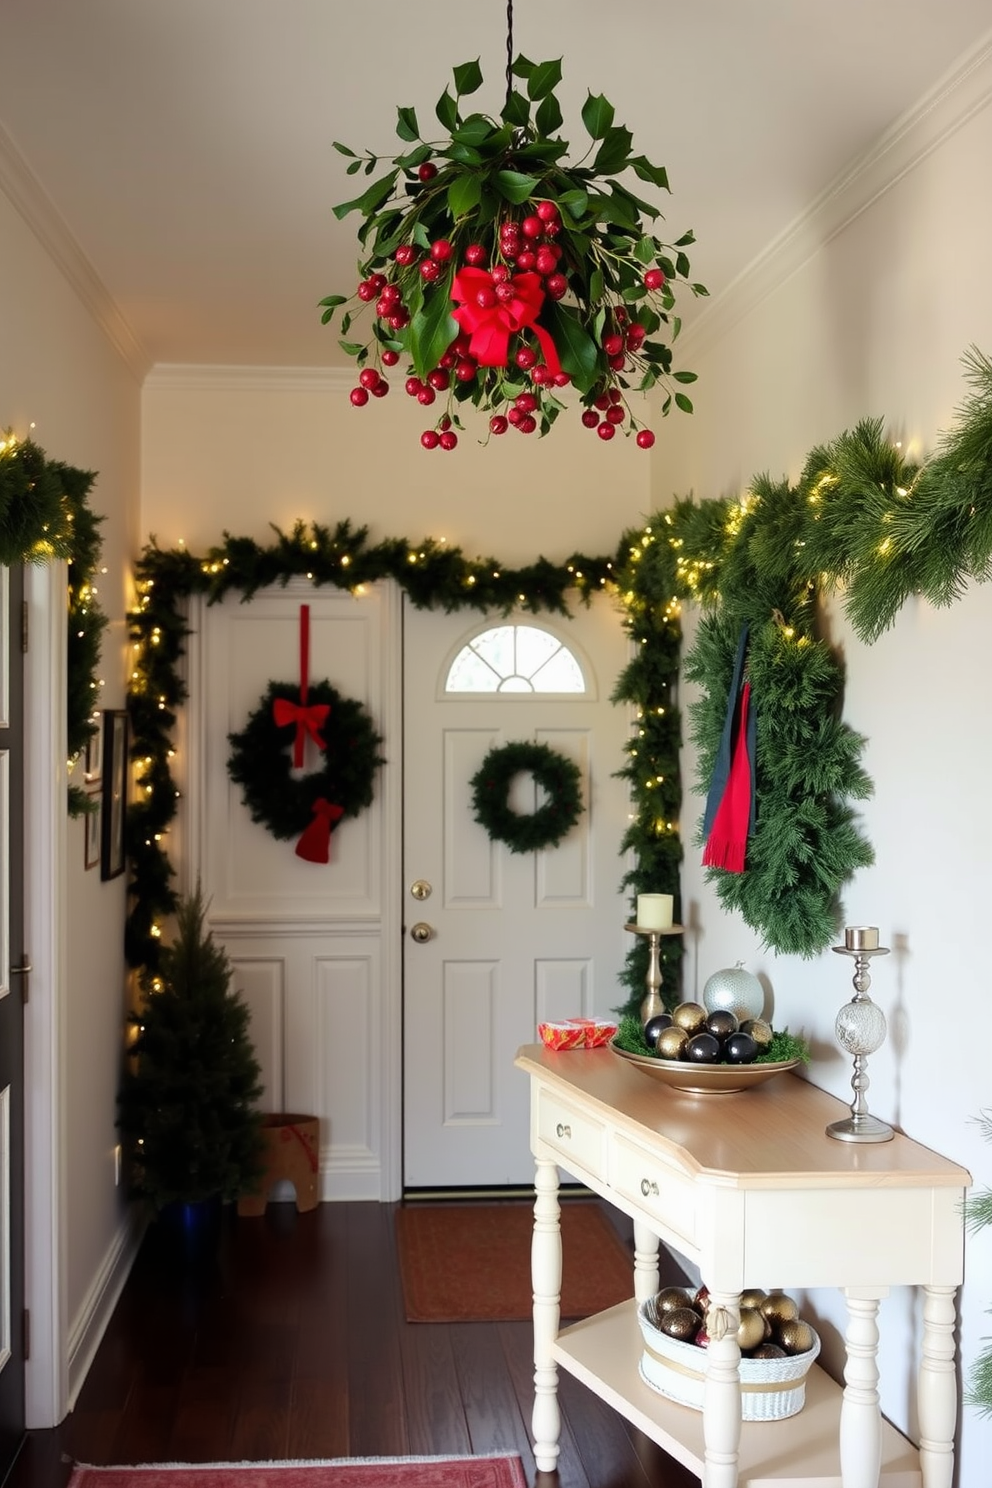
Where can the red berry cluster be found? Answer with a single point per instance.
(527, 245)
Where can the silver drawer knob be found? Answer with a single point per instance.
(648, 1186)
(563, 1131)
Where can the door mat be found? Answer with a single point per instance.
(470, 1263)
(344, 1472)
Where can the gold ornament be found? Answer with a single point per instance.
(794, 1336)
(682, 1323)
(670, 1298)
(752, 1329)
(689, 1015)
(768, 1351)
(759, 1030)
(752, 1298)
(779, 1308)
(671, 1042)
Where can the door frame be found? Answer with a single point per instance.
(45, 836)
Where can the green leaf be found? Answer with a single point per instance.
(463, 154)
(548, 117)
(475, 130)
(699, 289)
(413, 158)
(354, 168)
(344, 150)
(421, 236)
(656, 174)
(371, 200)
(666, 406)
(353, 348)
(644, 250)
(544, 152)
(346, 323)
(576, 349)
(406, 124)
(468, 78)
(575, 202)
(686, 239)
(447, 111)
(333, 300)
(544, 79)
(614, 153)
(684, 376)
(514, 186)
(464, 193)
(327, 316)
(432, 330)
(681, 401)
(597, 116)
(682, 265)
(522, 67)
(596, 288)
(516, 110)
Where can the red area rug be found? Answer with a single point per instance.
(344, 1472)
(470, 1263)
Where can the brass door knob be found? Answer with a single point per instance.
(422, 933)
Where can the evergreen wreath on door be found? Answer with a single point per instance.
(557, 776)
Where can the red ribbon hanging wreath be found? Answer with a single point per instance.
(308, 719)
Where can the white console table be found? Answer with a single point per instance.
(751, 1189)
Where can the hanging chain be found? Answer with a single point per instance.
(509, 49)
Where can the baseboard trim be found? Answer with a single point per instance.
(91, 1321)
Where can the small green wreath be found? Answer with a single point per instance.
(261, 760)
(557, 776)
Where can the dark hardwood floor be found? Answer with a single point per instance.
(290, 1342)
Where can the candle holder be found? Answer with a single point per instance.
(860, 1029)
(651, 1003)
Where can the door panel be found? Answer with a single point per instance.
(11, 1020)
(513, 938)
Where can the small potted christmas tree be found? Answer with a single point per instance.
(187, 1106)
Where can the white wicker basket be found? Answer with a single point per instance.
(771, 1389)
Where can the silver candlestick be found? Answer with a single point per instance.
(860, 1029)
(651, 1003)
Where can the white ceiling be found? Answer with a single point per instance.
(186, 145)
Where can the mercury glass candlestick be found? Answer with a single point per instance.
(651, 1003)
(860, 1029)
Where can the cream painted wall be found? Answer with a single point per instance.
(875, 325)
(238, 449)
(60, 373)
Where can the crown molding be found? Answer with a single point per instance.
(956, 98)
(193, 378)
(27, 195)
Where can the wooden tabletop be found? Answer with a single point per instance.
(773, 1135)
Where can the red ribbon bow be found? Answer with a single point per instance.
(491, 326)
(308, 720)
(315, 843)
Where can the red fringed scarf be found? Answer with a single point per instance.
(729, 817)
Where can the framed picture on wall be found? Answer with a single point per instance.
(93, 760)
(114, 792)
(93, 827)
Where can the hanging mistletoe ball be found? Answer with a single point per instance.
(557, 776)
(501, 274)
(261, 760)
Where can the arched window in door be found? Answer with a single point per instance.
(516, 658)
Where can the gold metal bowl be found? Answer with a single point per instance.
(705, 1079)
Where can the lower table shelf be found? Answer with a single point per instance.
(801, 1451)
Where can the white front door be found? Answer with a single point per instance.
(515, 938)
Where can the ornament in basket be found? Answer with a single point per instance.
(772, 1373)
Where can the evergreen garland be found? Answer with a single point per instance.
(978, 1216)
(557, 776)
(261, 764)
(45, 514)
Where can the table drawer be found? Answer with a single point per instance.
(580, 1138)
(659, 1192)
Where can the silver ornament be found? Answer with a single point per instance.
(736, 990)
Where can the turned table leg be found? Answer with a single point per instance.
(646, 1246)
(860, 1415)
(722, 1391)
(545, 1270)
(938, 1391)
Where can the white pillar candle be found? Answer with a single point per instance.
(861, 938)
(654, 911)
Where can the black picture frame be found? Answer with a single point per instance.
(114, 792)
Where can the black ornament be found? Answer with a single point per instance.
(703, 1048)
(654, 1028)
(721, 1023)
(740, 1048)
